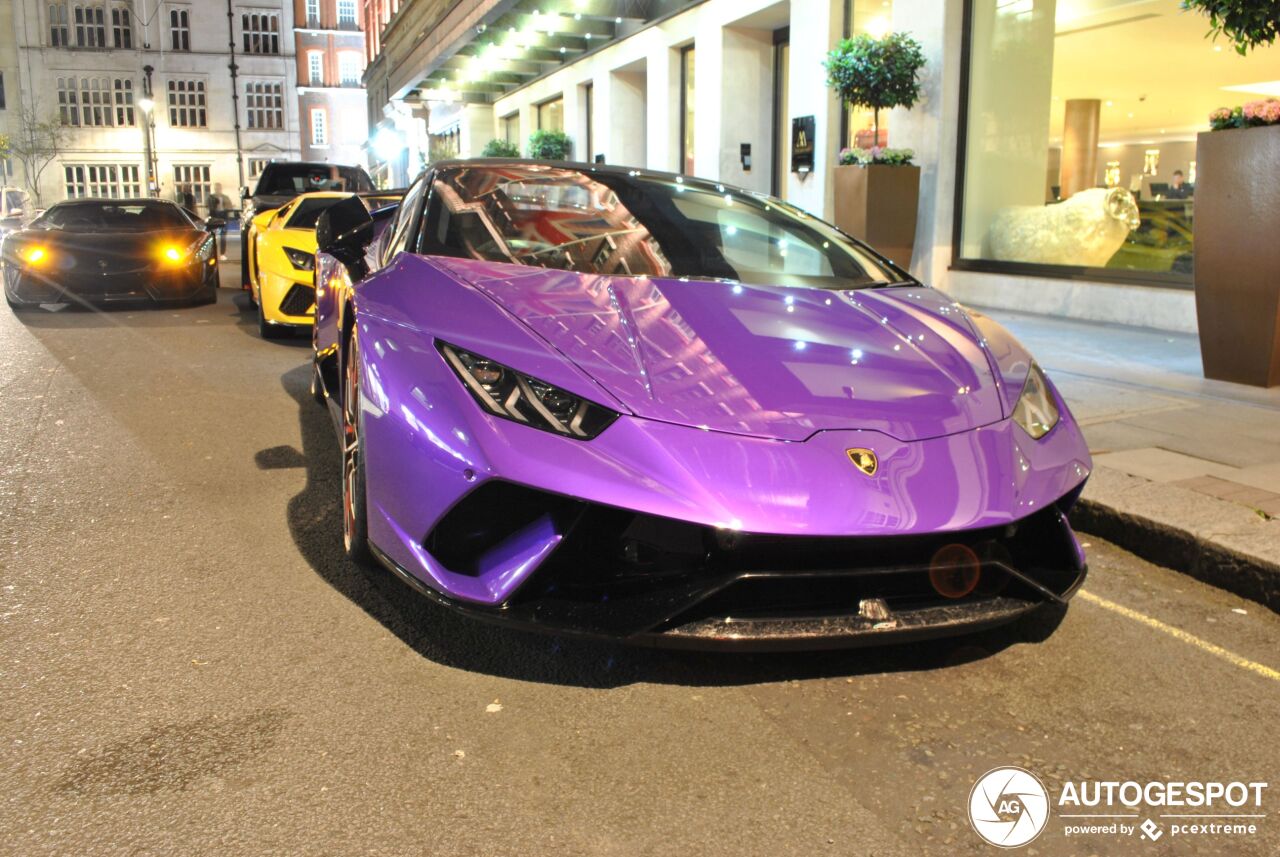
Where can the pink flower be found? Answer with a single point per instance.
(1269, 111)
(1220, 115)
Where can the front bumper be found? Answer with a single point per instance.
(624, 575)
(25, 286)
(286, 301)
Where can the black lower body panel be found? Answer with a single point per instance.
(637, 578)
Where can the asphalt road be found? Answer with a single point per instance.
(188, 666)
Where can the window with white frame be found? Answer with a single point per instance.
(349, 68)
(257, 165)
(346, 14)
(110, 181)
(59, 32)
(315, 68)
(261, 32)
(264, 104)
(193, 181)
(180, 29)
(122, 90)
(91, 26)
(313, 13)
(319, 127)
(68, 101)
(187, 104)
(85, 101)
(121, 26)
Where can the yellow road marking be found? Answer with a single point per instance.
(1179, 634)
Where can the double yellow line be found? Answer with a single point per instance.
(1179, 634)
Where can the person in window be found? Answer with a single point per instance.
(1178, 188)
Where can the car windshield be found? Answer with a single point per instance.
(307, 212)
(632, 224)
(305, 178)
(114, 217)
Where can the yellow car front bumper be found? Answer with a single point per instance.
(287, 300)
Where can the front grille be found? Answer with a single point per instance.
(620, 572)
(299, 300)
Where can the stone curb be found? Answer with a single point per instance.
(1215, 541)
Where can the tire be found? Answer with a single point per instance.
(210, 287)
(355, 519)
(268, 331)
(244, 264)
(13, 305)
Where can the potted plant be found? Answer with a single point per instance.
(500, 149)
(550, 145)
(877, 190)
(1237, 257)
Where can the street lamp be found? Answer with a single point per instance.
(148, 105)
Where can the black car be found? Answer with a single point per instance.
(281, 181)
(103, 250)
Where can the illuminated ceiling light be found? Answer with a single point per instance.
(1266, 87)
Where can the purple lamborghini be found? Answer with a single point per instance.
(643, 406)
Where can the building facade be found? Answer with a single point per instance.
(330, 66)
(107, 70)
(1026, 106)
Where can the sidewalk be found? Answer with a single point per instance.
(1186, 470)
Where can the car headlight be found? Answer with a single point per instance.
(1036, 412)
(175, 255)
(512, 395)
(300, 260)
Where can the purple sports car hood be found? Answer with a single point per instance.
(761, 361)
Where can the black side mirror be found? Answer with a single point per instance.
(214, 223)
(244, 192)
(343, 231)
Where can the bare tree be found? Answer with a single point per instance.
(35, 145)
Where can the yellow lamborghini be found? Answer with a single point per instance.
(281, 249)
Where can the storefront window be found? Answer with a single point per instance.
(686, 110)
(511, 129)
(874, 18)
(1080, 145)
(551, 115)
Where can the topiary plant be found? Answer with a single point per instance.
(550, 145)
(876, 73)
(1247, 23)
(500, 149)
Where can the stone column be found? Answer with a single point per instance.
(1079, 170)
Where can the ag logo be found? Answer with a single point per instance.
(864, 460)
(1008, 807)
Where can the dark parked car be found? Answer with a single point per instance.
(102, 250)
(285, 180)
